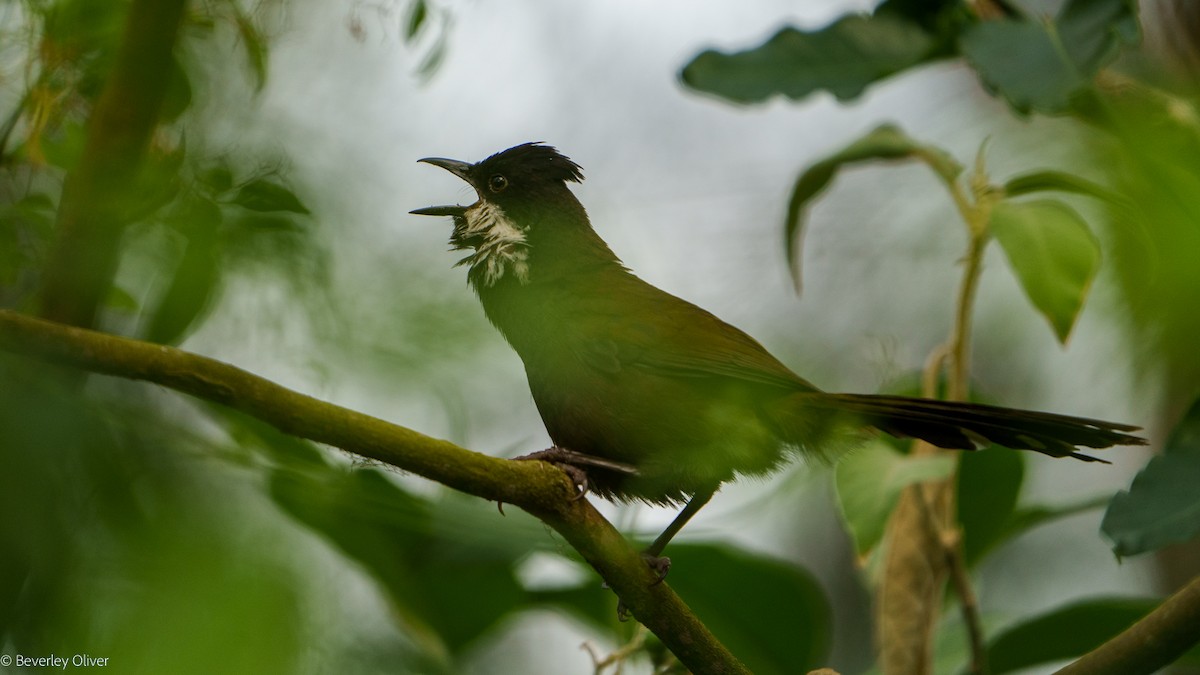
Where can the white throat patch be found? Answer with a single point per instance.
(502, 248)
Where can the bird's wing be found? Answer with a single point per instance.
(674, 337)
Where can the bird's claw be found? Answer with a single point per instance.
(562, 458)
(659, 564)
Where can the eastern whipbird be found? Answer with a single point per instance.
(649, 397)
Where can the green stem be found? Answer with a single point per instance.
(91, 214)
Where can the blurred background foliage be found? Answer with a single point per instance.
(171, 535)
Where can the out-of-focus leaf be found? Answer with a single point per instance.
(178, 95)
(773, 615)
(989, 482)
(869, 481)
(417, 14)
(283, 449)
(1094, 31)
(217, 179)
(1028, 517)
(120, 299)
(200, 599)
(63, 148)
(157, 182)
(256, 47)
(885, 142)
(1162, 506)
(932, 15)
(1068, 632)
(196, 279)
(264, 195)
(1059, 181)
(842, 58)
(590, 602)
(1042, 65)
(429, 578)
(1054, 255)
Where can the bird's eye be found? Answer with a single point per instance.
(497, 183)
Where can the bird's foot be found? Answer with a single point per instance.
(659, 564)
(566, 460)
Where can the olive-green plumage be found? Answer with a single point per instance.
(623, 371)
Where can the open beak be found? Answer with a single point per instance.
(440, 211)
(460, 169)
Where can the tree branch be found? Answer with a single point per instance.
(1154, 642)
(536, 487)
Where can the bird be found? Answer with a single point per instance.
(646, 396)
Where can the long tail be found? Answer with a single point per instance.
(970, 426)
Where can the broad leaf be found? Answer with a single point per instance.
(430, 578)
(842, 58)
(1162, 506)
(1067, 632)
(1042, 65)
(869, 481)
(1053, 253)
(770, 613)
(989, 482)
(885, 142)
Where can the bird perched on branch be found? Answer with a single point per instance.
(651, 397)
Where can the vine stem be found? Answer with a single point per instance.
(956, 353)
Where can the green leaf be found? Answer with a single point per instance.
(770, 613)
(416, 19)
(447, 591)
(1042, 65)
(1028, 517)
(256, 47)
(265, 196)
(989, 482)
(1053, 253)
(120, 299)
(178, 95)
(842, 58)
(1059, 181)
(217, 179)
(1162, 506)
(1067, 632)
(869, 481)
(885, 142)
(1093, 31)
(196, 278)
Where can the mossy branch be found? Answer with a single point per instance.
(536, 487)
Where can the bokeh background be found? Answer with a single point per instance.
(185, 526)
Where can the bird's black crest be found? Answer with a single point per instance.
(534, 159)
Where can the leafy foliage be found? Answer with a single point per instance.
(1066, 53)
(869, 482)
(855, 51)
(1054, 255)
(1068, 632)
(775, 616)
(843, 58)
(883, 143)
(1162, 506)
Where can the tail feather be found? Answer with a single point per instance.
(969, 426)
